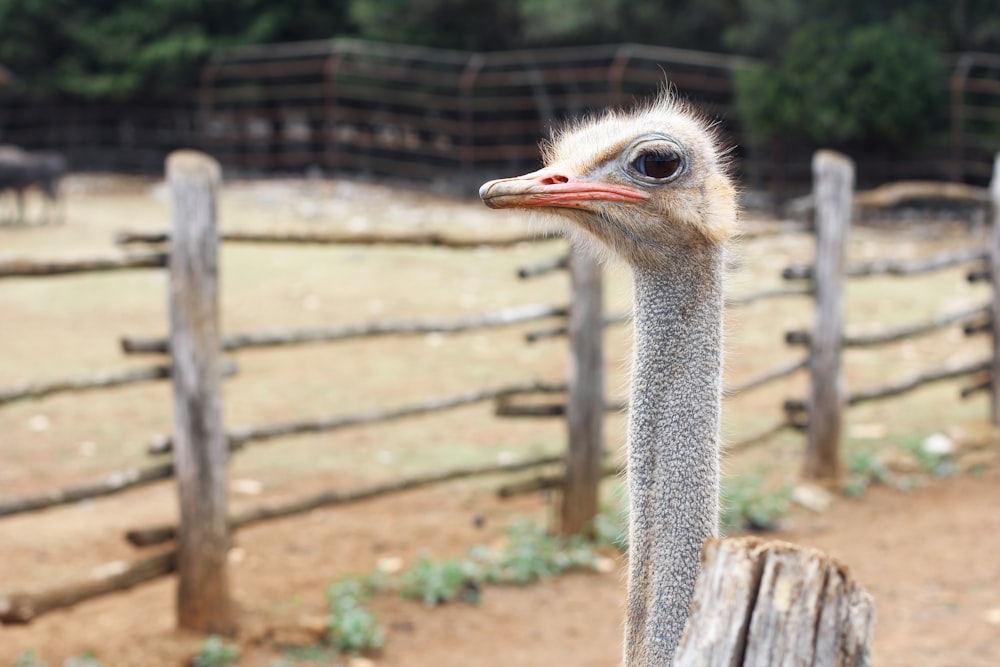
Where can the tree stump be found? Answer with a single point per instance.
(771, 604)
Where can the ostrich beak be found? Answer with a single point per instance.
(554, 186)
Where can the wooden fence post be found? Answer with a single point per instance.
(585, 406)
(760, 604)
(833, 176)
(200, 448)
(995, 300)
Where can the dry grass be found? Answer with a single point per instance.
(70, 325)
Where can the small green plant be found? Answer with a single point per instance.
(746, 505)
(27, 658)
(351, 627)
(216, 653)
(931, 462)
(864, 469)
(87, 659)
(437, 582)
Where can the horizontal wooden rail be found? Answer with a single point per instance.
(895, 267)
(258, 339)
(238, 438)
(41, 388)
(555, 481)
(777, 293)
(898, 333)
(563, 329)
(782, 371)
(109, 484)
(621, 318)
(901, 386)
(339, 237)
(902, 192)
(164, 533)
(543, 267)
(24, 607)
(37, 268)
(17, 608)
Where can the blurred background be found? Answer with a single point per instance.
(406, 335)
(451, 91)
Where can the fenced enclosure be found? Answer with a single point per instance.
(517, 395)
(452, 117)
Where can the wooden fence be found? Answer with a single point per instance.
(200, 445)
(195, 343)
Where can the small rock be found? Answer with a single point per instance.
(389, 564)
(993, 616)
(355, 661)
(939, 444)
(236, 555)
(39, 423)
(812, 497)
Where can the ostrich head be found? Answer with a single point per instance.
(646, 184)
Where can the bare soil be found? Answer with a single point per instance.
(930, 556)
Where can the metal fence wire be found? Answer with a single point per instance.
(456, 117)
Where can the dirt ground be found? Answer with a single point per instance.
(930, 555)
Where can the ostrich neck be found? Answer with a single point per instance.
(673, 451)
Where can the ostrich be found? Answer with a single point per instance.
(652, 187)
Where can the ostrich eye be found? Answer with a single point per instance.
(658, 166)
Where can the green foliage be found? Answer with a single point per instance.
(863, 469)
(87, 659)
(351, 627)
(117, 49)
(746, 505)
(532, 554)
(216, 653)
(27, 658)
(932, 463)
(876, 84)
(454, 24)
(437, 582)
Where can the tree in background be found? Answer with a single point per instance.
(876, 84)
(449, 24)
(124, 49)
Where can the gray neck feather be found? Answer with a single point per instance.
(673, 450)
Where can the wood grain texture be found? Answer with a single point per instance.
(995, 278)
(585, 401)
(200, 448)
(833, 176)
(775, 604)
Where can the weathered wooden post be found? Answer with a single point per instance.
(995, 277)
(585, 405)
(768, 604)
(200, 448)
(833, 176)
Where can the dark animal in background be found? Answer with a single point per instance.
(21, 169)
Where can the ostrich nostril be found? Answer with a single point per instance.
(555, 179)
